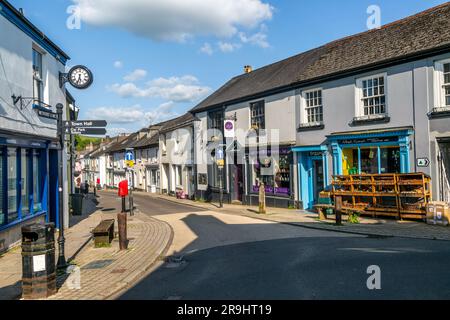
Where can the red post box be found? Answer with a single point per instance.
(123, 188)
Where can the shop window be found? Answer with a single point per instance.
(350, 161)
(37, 181)
(12, 185)
(258, 117)
(369, 161)
(274, 172)
(390, 160)
(25, 181)
(372, 96)
(2, 199)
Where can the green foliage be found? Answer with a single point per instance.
(353, 218)
(82, 142)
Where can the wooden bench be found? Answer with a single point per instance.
(104, 233)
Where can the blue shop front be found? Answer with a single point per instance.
(364, 152)
(28, 185)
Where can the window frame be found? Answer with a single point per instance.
(439, 91)
(359, 96)
(260, 103)
(304, 107)
(39, 96)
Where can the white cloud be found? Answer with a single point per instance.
(177, 89)
(136, 115)
(136, 75)
(162, 113)
(118, 64)
(258, 39)
(207, 49)
(117, 115)
(228, 47)
(176, 20)
(117, 131)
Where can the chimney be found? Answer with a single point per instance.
(248, 69)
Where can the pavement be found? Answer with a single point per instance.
(376, 227)
(96, 274)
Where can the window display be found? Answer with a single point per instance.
(274, 172)
(366, 160)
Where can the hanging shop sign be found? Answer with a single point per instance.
(229, 131)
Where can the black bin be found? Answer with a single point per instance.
(38, 261)
(84, 188)
(76, 201)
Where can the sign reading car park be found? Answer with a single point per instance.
(423, 162)
(86, 131)
(87, 127)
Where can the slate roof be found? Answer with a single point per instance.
(421, 35)
(177, 122)
(148, 141)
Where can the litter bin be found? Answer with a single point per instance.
(38, 261)
(77, 199)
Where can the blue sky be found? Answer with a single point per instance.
(155, 59)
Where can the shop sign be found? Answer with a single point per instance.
(369, 140)
(229, 129)
(316, 154)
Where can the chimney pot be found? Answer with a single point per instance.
(248, 69)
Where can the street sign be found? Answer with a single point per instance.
(129, 163)
(129, 156)
(86, 124)
(86, 131)
(423, 162)
(47, 114)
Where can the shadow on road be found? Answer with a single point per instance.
(314, 265)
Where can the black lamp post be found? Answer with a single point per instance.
(61, 240)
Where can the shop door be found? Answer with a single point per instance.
(318, 180)
(238, 184)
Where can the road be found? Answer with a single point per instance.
(234, 257)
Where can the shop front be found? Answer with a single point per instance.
(24, 185)
(312, 173)
(371, 152)
(274, 168)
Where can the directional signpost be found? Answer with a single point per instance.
(423, 162)
(86, 127)
(129, 161)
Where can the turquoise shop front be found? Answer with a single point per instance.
(369, 152)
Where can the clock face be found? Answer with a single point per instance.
(80, 77)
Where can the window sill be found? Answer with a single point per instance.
(374, 119)
(438, 113)
(311, 126)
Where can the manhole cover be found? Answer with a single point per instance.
(99, 264)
